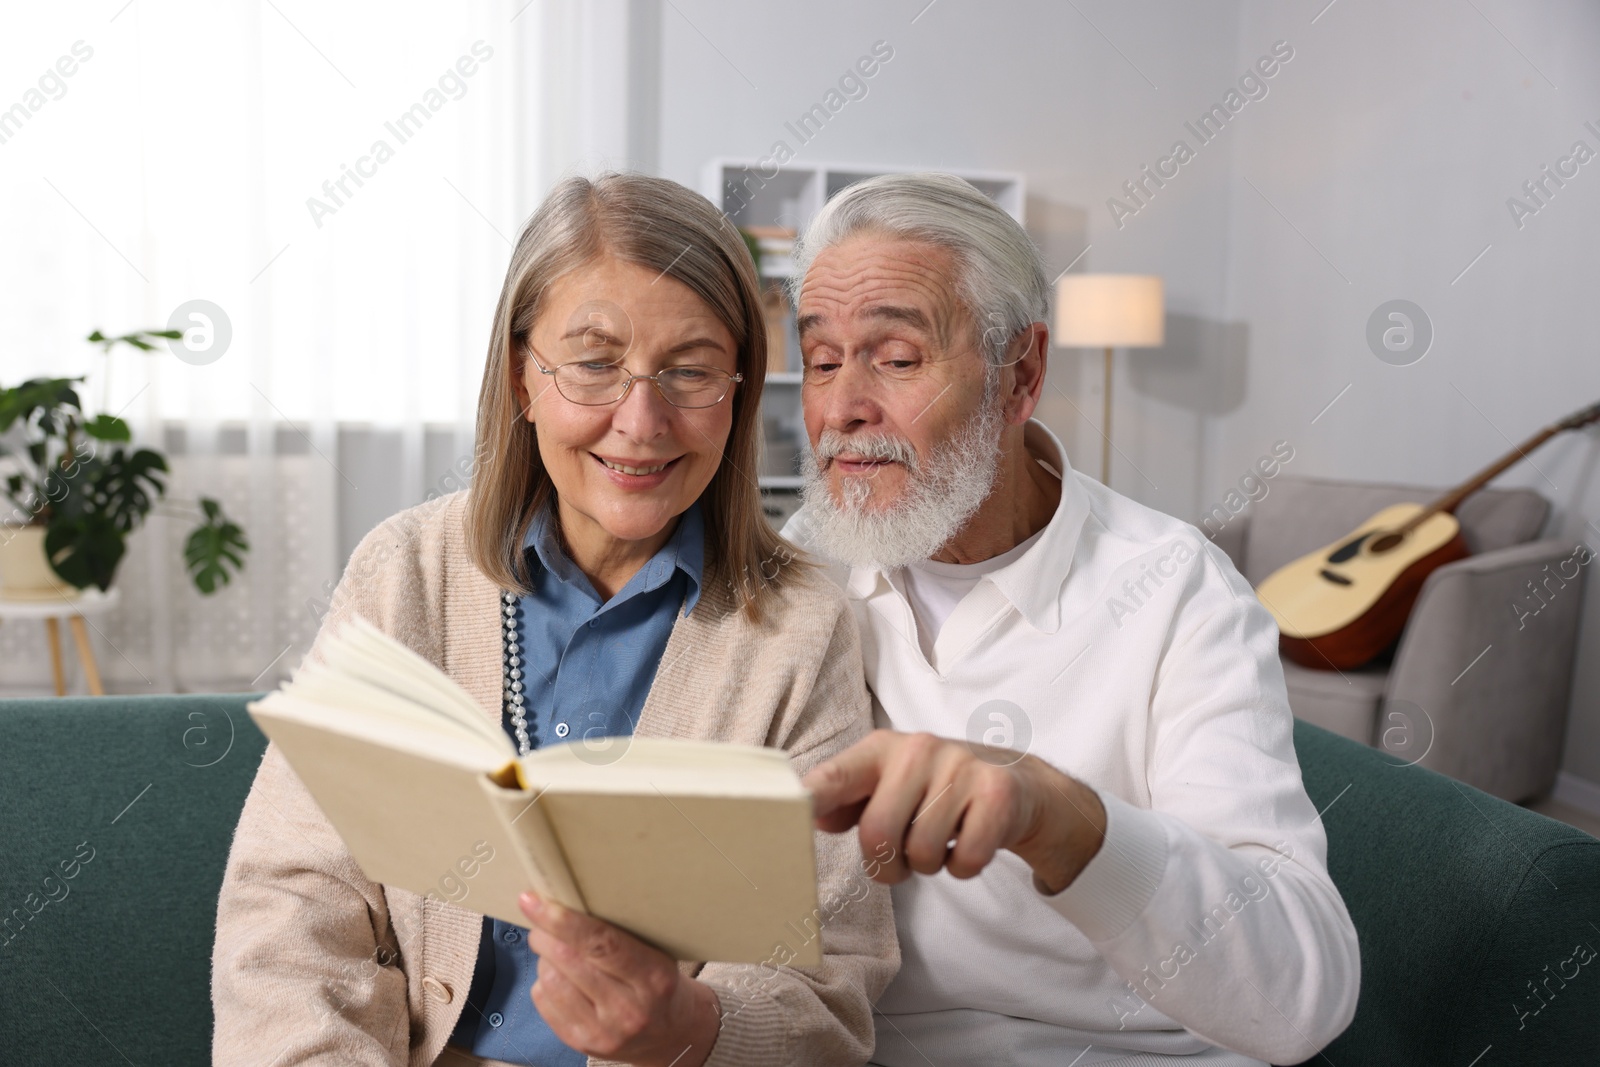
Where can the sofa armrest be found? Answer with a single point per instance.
(1461, 902)
(1489, 664)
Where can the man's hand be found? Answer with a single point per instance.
(608, 994)
(938, 803)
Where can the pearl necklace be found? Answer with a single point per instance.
(511, 668)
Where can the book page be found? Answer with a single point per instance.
(319, 694)
(359, 651)
(702, 849)
(700, 877)
(656, 764)
(412, 815)
(372, 720)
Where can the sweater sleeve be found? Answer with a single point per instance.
(774, 1013)
(305, 967)
(1200, 899)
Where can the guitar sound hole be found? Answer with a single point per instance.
(1346, 551)
(1336, 579)
(1387, 542)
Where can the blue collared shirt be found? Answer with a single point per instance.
(587, 668)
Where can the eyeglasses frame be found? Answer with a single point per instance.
(627, 386)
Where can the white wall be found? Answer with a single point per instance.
(1031, 88)
(1386, 146)
(1399, 133)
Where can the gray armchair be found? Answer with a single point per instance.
(1479, 683)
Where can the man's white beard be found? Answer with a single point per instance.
(938, 498)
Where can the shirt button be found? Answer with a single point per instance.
(561, 729)
(495, 1018)
(511, 937)
(593, 623)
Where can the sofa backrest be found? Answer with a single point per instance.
(1459, 899)
(116, 814)
(1301, 514)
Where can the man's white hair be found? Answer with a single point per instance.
(1000, 276)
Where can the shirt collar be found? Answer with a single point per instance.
(684, 551)
(1033, 583)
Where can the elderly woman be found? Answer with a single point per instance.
(609, 572)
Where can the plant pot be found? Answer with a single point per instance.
(25, 573)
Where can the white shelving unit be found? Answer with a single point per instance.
(788, 196)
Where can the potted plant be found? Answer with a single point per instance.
(77, 493)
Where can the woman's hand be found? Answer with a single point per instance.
(608, 994)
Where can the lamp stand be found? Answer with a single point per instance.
(1105, 429)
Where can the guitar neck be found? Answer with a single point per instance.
(1453, 499)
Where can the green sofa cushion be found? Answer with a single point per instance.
(1459, 899)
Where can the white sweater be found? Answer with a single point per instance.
(1125, 649)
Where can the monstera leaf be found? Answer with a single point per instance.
(128, 485)
(97, 502)
(138, 339)
(73, 489)
(213, 545)
(85, 549)
(53, 399)
(107, 428)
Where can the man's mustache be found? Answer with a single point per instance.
(870, 446)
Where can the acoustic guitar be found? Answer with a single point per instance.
(1340, 606)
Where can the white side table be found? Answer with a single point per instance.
(89, 602)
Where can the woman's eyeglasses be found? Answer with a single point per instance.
(594, 383)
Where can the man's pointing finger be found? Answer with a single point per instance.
(848, 778)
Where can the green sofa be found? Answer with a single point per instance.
(1461, 900)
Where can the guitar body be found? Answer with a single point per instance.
(1342, 605)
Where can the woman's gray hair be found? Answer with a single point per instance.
(999, 274)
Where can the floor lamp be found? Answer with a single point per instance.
(1109, 311)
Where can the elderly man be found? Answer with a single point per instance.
(1103, 852)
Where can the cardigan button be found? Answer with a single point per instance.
(436, 989)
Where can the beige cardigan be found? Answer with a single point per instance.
(315, 963)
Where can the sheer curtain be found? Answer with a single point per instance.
(339, 185)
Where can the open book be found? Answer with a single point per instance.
(703, 850)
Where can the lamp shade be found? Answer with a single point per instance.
(1110, 311)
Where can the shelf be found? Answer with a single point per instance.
(755, 193)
